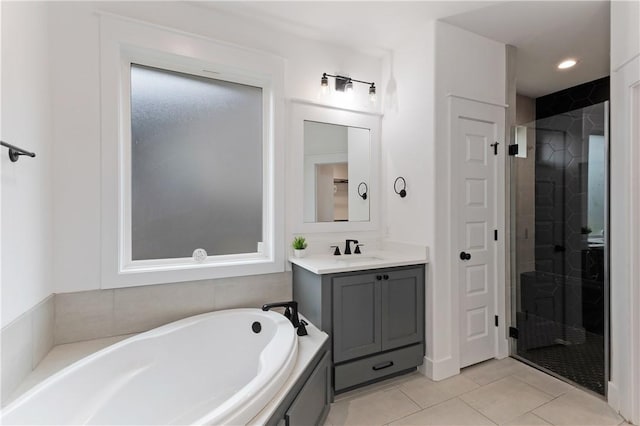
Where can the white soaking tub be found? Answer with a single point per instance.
(208, 369)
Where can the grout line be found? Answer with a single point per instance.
(538, 388)
(408, 415)
(477, 411)
(410, 399)
(534, 414)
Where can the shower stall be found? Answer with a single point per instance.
(560, 285)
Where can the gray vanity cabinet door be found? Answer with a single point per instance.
(356, 316)
(402, 308)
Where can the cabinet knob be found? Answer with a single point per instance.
(378, 277)
(385, 276)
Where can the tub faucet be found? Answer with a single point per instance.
(347, 247)
(293, 316)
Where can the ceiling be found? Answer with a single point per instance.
(544, 32)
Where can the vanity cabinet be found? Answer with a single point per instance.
(375, 319)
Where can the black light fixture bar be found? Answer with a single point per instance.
(342, 81)
(15, 152)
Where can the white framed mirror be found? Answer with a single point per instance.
(335, 168)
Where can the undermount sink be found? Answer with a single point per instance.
(357, 258)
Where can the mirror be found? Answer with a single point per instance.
(331, 149)
(337, 162)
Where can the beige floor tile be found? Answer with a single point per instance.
(427, 393)
(505, 399)
(543, 381)
(578, 408)
(378, 408)
(451, 412)
(528, 419)
(492, 370)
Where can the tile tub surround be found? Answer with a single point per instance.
(87, 315)
(25, 342)
(60, 357)
(96, 314)
(496, 392)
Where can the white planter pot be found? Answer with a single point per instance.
(299, 253)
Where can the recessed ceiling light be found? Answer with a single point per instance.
(567, 63)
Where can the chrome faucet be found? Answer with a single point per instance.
(293, 316)
(347, 247)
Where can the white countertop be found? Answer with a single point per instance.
(329, 264)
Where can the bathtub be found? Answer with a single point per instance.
(214, 368)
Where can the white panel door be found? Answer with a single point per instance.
(476, 200)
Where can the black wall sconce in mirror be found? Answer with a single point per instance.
(402, 192)
(362, 190)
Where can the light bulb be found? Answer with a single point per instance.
(348, 87)
(567, 63)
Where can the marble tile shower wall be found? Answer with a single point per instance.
(73, 317)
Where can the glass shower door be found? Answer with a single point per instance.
(559, 205)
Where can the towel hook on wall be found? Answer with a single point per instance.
(403, 191)
(15, 152)
(363, 194)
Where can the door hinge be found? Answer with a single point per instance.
(513, 149)
(495, 147)
(495, 235)
(513, 332)
(496, 320)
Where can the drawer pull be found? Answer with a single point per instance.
(382, 365)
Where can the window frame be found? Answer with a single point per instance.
(124, 42)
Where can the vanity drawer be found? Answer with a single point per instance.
(377, 366)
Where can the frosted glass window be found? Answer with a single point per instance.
(196, 165)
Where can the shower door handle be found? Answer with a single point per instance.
(465, 255)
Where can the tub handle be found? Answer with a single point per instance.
(382, 365)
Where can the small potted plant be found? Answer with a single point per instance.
(299, 244)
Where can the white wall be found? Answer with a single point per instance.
(625, 32)
(624, 385)
(474, 67)
(436, 62)
(75, 78)
(408, 139)
(26, 185)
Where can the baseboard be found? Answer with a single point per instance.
(613, 397)
(440, 369)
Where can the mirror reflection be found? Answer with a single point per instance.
(336, 163)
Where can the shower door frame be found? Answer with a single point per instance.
(513, 270)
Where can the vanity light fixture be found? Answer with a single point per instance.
(345, 84)
(567, 63)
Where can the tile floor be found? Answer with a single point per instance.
(496, 392)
